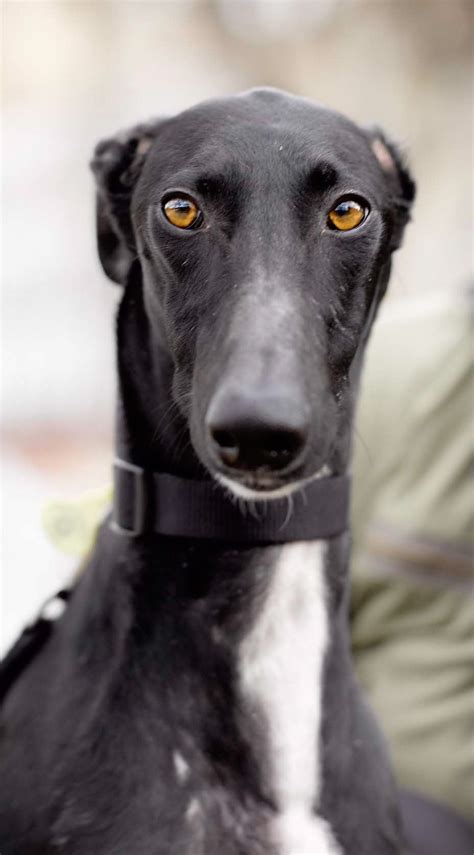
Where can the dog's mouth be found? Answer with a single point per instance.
(257, 486)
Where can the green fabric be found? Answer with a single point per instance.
(412, 604)
(414, 653)
(415, 417)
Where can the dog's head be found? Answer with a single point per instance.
(263, 227)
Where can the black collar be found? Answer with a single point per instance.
(146, 502)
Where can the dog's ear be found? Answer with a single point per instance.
(399, 181)
(116, 164)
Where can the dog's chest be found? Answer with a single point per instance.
(281, 673)
(183, 802)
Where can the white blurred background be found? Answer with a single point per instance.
(76, 71)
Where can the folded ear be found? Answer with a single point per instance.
(116, 164)
(400, 182)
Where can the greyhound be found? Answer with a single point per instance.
(197, 695)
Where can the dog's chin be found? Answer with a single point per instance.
(264, 490)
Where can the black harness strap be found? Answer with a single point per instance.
(165, 504)
(30, 642)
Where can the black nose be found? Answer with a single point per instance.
(249, 432)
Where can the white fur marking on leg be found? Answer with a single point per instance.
(281, 670)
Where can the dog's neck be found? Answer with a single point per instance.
(262, 617)
(151, 430)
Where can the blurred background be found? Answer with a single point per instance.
(74, 72)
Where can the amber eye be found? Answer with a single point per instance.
(182, 212)
(347, 215)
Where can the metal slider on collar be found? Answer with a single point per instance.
(129, 512)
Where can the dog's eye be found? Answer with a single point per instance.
(347, 215)
(182, 212)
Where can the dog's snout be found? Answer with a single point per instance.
(259, 432)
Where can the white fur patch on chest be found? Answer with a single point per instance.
(281, 670)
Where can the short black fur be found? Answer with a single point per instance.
(143, 663)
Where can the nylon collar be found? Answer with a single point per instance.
(146, 502)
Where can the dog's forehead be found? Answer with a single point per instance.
(252, 131)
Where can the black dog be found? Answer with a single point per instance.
(197, 696)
